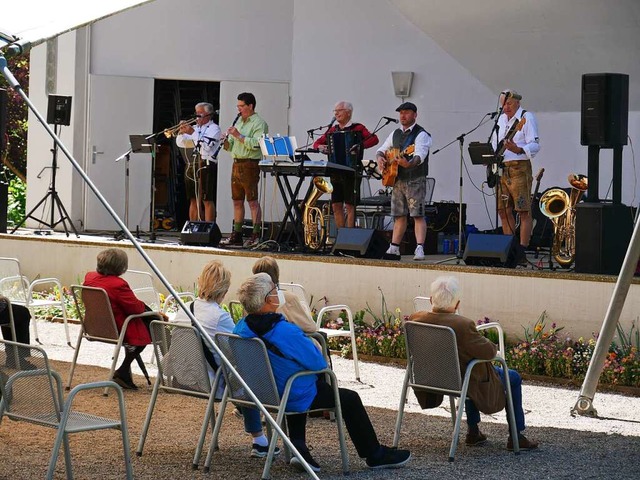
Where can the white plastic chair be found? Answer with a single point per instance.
(141, 284)
(17, 288)
(301, 293)
(421, 304)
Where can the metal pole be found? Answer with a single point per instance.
(16, 86)
(584, 405)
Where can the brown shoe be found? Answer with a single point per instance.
(252, 241)
(475, 438)
(235, 239)
(523, 442)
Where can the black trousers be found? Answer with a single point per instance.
(21, 319)
(354, 414)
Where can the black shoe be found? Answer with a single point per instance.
(521, 255)
(258, 451)
(389, 458)
(24, 364)
(125, 381)
(297, 464)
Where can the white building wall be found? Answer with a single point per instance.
(347, 50)
(328, 51)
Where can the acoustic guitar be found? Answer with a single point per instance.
(390, 169)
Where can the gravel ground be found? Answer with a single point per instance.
(571, 447)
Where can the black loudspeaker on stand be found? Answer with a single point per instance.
(206, 234)
(360, 242)
(490, 250)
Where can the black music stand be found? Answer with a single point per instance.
(482, 153)
(139, 144)
(144, 144)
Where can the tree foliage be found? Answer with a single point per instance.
(15, 157)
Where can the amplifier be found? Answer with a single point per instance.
(443, 216)
(205, 234)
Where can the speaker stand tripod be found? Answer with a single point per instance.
(56, 203)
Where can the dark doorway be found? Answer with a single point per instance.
(175, 100)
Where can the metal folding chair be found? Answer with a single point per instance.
(32, 392)
(329, 332)
(20, 291)
(250, 359)
(182, 368)
(99, 325)
(433, 366)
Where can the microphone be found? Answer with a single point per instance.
(492, 114)
(333, 120)
(389, 119)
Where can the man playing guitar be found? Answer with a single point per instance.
(411, 182)
(513, 192)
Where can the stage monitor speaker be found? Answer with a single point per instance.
(360, 242)
(59, 111)
(605, 109)
(206, 234)
(490, 250)
(603, 233)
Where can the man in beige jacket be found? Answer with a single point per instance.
(486, 390)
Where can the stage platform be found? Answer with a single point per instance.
(515, 297)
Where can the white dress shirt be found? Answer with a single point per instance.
(526, 138)
(205, 138)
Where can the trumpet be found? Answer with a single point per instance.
(173, 131)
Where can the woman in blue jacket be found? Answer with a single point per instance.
(291, 351)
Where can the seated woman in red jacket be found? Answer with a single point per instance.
(111, 263)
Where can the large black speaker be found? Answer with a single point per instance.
(59, 111)
(206, 234)
(490, 250)
(360, 242)
(603, 233)
(605, 109)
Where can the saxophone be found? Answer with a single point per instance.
(313, 219)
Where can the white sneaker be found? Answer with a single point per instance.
(419, 253)
(392, 253)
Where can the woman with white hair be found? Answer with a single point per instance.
(291, 351)
(213, 285)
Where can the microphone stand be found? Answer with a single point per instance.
(127, 156)
(460, 140)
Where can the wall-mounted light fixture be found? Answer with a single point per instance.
(402, 83)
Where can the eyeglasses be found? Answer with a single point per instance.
(276, 288)
(241, 105)
(339, 110)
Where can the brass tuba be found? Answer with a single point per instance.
(560, 207)
(313, 219)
